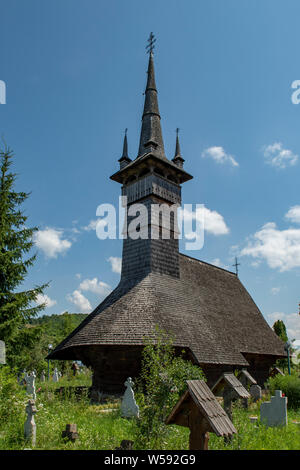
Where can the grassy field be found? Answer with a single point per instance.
(100, 427)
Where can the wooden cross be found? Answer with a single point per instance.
(151, 42)
(236, 264)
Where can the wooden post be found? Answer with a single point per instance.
(227, 397)
(198, 425)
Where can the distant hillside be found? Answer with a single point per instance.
(59, 326)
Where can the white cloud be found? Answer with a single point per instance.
(275, 290)
(80, 301)
(219, 155)
(293, 214)
(217, 262)
(213, 221)
(93, 224)
(279, 248)
(116, 264)
(45, 299)
(78, 275)
(95, 286)
(291, 321)
(90, 226)
(50, 241)
(275, 155)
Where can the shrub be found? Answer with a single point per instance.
(289, 385)
(161, 383)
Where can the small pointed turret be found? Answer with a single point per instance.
(151, 135)
(124, 160)
(178, 160)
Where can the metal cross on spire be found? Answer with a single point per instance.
(236, 264)
(151, 42)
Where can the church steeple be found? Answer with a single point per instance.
(151, 135)
(124, 160)
(178, 160)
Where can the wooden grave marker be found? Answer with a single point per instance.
(199, 410)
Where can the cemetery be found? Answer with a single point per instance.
(187, 414)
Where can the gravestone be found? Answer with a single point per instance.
(125, 445)
(30, 385)
(129, 408)
(55, 375)
(70, 432)
(2, 353)
(30, 426)
(255, 392)
(43, 376)
(274, 413)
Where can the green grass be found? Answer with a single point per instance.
(100, 430)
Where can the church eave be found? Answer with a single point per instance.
(145, 161)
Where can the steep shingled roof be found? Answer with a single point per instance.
(208, 310)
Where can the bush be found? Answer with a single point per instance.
(12, 409)
(160, 385)
(289, 385)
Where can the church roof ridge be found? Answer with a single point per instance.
(209, 264)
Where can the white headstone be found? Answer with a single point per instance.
(55, 375)
(43, 377)
(30, 385)
(274, 412)
(30, 426)
(2, 352)
(129, 408)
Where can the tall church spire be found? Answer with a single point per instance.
(178, 160)
(124, 160)
(151, 135)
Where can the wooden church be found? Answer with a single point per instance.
(206, 309)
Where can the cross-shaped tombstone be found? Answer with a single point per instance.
(30, 426)
(274, 412)
(30, 385)
(129, 407)
(55, 375)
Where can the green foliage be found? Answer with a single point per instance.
(15, 241)
(161, 383)
(12, 407)
(280, 330)
(289, 385)
(53, 329)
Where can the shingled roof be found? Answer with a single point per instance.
(230, 380)
(207, 309)
(210, 408)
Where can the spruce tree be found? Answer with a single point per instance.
(17, 307)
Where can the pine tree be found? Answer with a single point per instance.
(16, 240)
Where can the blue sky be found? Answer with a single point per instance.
(75, 73)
